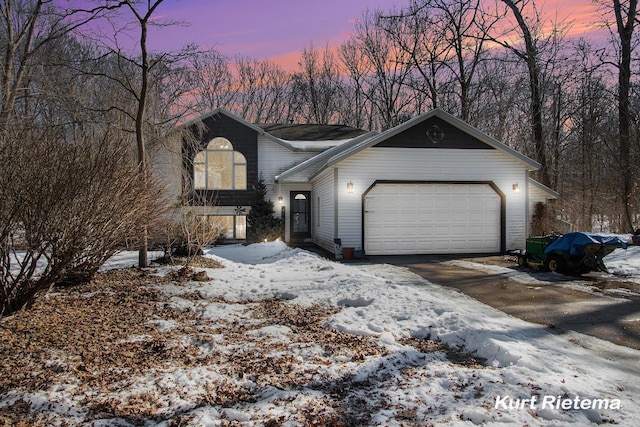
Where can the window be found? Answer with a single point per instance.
(233, 227)
(219, 167)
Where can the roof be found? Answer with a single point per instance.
(443, 115)
(226, 113)
(295, 137)
(321, 158)
(552, 194)
(344, 151)
(311, 132)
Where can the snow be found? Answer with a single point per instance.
(392, 303)
(526, 363)
(624, 262)
(316, 145)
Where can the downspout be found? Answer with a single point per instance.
(527, 222)
(335, 204)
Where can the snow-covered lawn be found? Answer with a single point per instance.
(280, 336)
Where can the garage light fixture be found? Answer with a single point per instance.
(280, 200)
(516, 188)
(350, 187)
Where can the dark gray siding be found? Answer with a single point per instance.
(244, 140)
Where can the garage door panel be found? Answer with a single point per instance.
(459, 204)
(462, 217)
(424, 230)
(440, 204)
(432, 218)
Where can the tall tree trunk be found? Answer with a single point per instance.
(530, 56)
(143, 20)
(142, 164)
(625, 32)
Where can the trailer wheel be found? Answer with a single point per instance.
(555, 264)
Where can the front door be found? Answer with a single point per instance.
(300, 215)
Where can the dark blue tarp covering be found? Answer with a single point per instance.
(574, 242)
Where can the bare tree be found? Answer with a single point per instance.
(26, 28)
(529, 47)
(445, 40)
(317, 86)
(502, 86)
(386, 72)
(625, 17)
(418, 34)
(585, 167)
(466, 28)
(530, 56)
(150, 86)
(261, 88)
(355, 109)
(210, 82)
(145, 65)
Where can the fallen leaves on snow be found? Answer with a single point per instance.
(98, 347)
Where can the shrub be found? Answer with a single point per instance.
(261, 223)
(192, 233)
(65, 208)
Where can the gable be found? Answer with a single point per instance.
(462, 134)
(434, 133)
(244, 140)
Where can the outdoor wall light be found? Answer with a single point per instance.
(350, 187)
(280, 200)
(516, 188)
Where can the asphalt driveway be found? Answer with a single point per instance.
(596, 304)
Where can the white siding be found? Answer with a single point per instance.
(323, 212)
(429, 165)
(274, 159)
(166, 160)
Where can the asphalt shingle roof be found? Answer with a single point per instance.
(311, 132)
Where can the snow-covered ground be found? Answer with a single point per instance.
(531, 376)
(536, 378)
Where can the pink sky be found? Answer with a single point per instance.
(280, 29)
(260, 28)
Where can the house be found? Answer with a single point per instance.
(431, 185)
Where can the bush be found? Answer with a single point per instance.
(68, 207)
(261, 223)
(192, 233)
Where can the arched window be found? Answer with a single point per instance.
(219, 167)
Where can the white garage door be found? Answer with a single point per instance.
(431, 219)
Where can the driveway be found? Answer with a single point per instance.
(596, 304)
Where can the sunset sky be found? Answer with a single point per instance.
(280, 29)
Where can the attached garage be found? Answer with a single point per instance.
(431, 185)
(433, 218)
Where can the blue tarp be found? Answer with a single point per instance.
(574, 242)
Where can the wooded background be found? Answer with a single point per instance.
(503, 66)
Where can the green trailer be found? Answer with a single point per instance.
(572, 253)
(534, 256)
